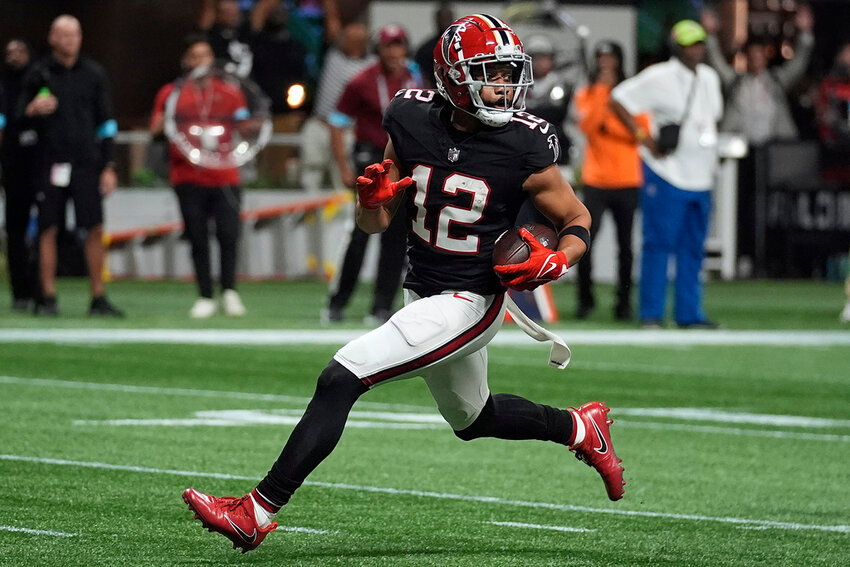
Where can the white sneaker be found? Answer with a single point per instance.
(204, 308)
(845, 315)
(232, 303)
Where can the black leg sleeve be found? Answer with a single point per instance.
(316, 434)
(506, 416)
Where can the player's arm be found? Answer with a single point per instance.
(107, 129)
(379, 192)
(339, 123)
(554, 197)
(632, 124)
(157, 125)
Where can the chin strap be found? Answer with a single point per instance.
(559, 354)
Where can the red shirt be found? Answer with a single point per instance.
(366, 97)
(215, 105)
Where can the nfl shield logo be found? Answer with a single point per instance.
(454, 154)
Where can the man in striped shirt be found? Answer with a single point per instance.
(347, 58)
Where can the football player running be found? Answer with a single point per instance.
(470, 157)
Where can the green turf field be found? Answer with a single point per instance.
(735, 453)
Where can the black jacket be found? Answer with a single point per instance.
(82, 129)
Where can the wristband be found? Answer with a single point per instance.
(579, 231)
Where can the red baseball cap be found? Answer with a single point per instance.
(392, 33)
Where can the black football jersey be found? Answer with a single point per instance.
(467, 191)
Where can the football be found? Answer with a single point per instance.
(510, 248)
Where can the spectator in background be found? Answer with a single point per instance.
(549, 97)
(65, 97)
(278, 59)
(757, 105)
(315, 24)
(231, 35)
(345, 59)
(362, 107)
(611, 174)
(204, 193)
(833, 110)
(679, 166)
(16, 159)
(756, 100)
(424, 56)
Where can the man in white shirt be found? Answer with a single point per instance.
(678, 176)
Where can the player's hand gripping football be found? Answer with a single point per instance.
(374, 188)
(543, 266)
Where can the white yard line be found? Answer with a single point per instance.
(714, 429)
(35, 532)
(540, 527)
(490, 500)
(218, 394)
(508, 336)
(424, 417)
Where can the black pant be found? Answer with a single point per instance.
(393, 250)
(622, 203)
(198, 205)
(390, 265)
(22, 253)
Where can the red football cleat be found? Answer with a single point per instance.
(596, 450)
(231, 517)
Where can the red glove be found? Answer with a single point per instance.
(543, 266)
(374, 188)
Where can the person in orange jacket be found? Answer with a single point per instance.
(611, 174)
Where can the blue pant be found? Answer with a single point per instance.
(674, 222)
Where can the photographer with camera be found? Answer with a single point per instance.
(683, 97)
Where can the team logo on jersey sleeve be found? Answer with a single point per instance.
(454, 154)
(554, 145)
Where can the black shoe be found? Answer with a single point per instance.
(20, 305)
(378, 317)
(623, 312)
(706, 324)
(46, 306)
(332, 315)
(651, 324)
(584, 310)
(100, 307)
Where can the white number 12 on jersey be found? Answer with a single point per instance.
(450, 214)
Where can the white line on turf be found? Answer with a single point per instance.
(513, 337)
(219, 394)
(356, 419)
(539, 527)
(425, 415)
(501, 358)
(844, 529)
(735, 431)
(305, 530)
(36, 532)
(725, 416)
